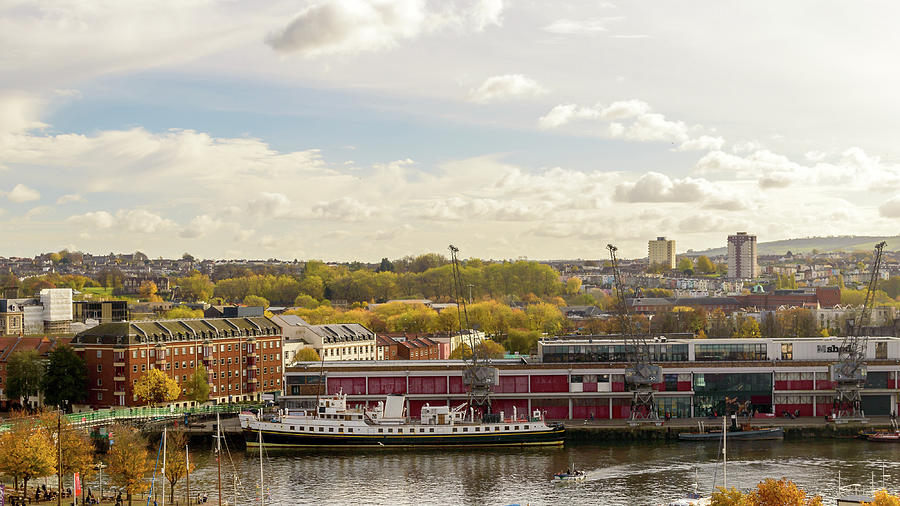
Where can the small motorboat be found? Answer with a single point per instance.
(568, 475)
(885, 437)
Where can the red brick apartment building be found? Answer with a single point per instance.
(242, 356)
(12, 344)
(399, 346)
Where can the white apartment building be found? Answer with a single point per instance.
(661, 252)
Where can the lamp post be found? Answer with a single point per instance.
(100, 466)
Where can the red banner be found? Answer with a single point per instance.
(77, 486)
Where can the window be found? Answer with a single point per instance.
(516, 427)
(99, 382)
(340, 429)
(99, 353)
(176, 351)
(787, 351)
(176, 365)
(143, 353)
(431, 430)
(134, 368)
(229, 347)
(322, 429)
(133, 353)
(390, 430)
(183, 378)
(477, 429)
(400, 431)
(229, 360)
(881, 351)
(143, 367)
(455, 429)
(221, 347)
(380, 430)
(99, 396)
(192, 350)
(99, 367)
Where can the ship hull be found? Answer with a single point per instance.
(554, 436)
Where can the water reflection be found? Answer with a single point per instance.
(616, 474)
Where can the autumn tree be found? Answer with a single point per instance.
(147, 291)
(176, 467)
(65, 378)
(24, 371)
(882, 498)
(545, 317)
(129, 460)
(770, 492)
(490, 349)
(705, 265)
(573, 285)
(256, 301)
(462, 351)
(307, 355)
(197, 385)
(155, 387)
(76, 446)
(685, 264)
(26, 452)
(196, 287)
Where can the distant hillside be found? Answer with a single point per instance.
(821, 244)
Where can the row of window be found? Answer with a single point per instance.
(350, 350)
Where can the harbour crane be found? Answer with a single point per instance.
(849, 372)
(640, 373)
(478, 379)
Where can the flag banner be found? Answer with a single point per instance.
(77, 485)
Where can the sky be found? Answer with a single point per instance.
(362, 129)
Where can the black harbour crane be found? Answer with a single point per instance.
(478, 379)
(849, 372)
(640, 373)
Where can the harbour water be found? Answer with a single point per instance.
(633, 473)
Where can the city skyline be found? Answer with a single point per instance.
(364, 129)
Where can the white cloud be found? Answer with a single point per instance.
(19, 112)
(21, 193)
(244, 234)
(270, 205)
(580, 26)
(199, 226)
(130, 220)
(656, 187)
(69, 197)
(142, 221)
(38, 211)
(94, 219)
(343, 209)
(353, 26)
(891, 208)
(702, 143)
(506, 87)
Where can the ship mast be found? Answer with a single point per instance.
(849, 373)
(478, 379)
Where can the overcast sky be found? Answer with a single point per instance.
(361, 129)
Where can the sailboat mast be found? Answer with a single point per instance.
(262, 489)
(219, 455)
(725, 451)
(164, 467)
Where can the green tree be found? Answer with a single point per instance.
(129, 461)
(522, 341)
(307, 355)
(304, 300)
(685, 264)
(705, 265)
(197, 385)
(154, 387)
(386, 265)
(65, 378)
(256, 300)
(182, 313)
(25, 371)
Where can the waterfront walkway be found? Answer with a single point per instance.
(102, 417)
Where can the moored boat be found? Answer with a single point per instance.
(885, 437)
(739, 435)
(334, 425)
